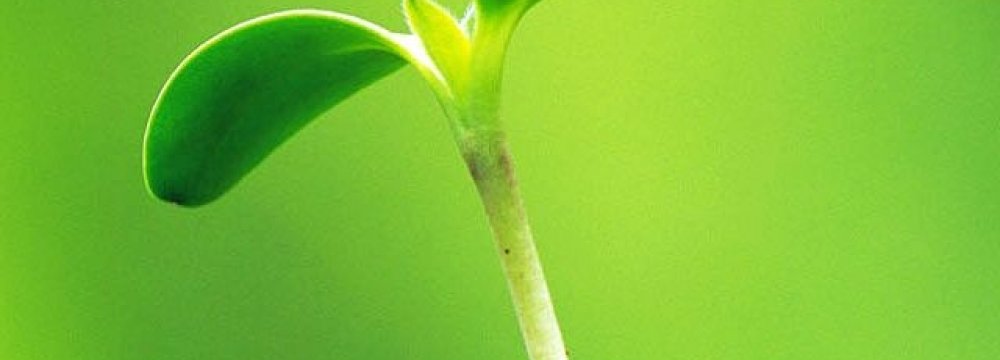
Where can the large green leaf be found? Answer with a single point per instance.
(244, 92)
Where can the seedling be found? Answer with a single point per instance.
(244, 92)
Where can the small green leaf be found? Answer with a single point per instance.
(445, 41)
(468, 22)
(505, 8)
(243, 93)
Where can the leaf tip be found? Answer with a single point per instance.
(163, 191)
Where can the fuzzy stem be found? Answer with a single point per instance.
(474, 115)
(491, 166)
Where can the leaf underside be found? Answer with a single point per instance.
(243, 93)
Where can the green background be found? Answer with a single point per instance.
(706, 180)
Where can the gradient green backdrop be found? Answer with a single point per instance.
(706, 179)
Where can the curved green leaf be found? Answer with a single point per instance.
(442, 37)
(504, 8)
(243, 93)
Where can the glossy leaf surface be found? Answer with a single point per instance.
(244, 92)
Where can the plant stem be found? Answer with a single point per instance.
(489, 161)
(473, 108)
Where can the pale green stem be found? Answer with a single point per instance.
(484, 146)
(491, 166)
(474, 113)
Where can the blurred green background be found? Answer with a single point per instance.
(706, 179)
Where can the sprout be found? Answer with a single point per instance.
(244, 92)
